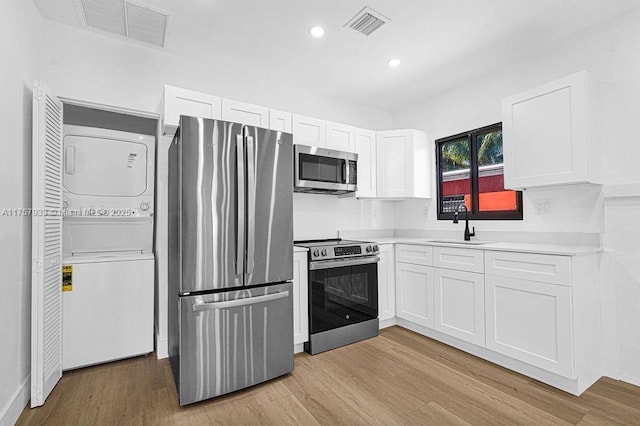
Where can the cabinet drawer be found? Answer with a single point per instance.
(544, 268)
(461, 259)
(416, 254)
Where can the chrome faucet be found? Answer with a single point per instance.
(467, 234)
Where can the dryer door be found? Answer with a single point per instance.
(106, 167)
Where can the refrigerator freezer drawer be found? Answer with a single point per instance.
(232, 340)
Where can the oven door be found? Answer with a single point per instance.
(342, 292)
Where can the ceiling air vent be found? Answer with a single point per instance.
(367, 21)
(135, 21)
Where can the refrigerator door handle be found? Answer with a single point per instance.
(251, 205)
(200, 307)
(240, 200)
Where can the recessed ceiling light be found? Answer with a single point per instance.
(393, 62)
(316, 32)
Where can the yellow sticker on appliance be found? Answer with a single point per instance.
(67, 277)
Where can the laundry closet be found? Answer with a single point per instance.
(108, 163)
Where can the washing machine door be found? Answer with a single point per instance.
(105, 166)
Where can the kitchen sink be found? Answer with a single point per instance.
(464, 243)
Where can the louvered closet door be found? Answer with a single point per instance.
(46, 281)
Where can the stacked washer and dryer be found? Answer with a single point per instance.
(108, 274)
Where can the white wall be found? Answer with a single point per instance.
(321, 216)
(94, 67)
(609, 52)
(19, 35)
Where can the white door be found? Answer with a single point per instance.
(531, 322)
(386, 283)
(340, 137)
(46, 250)
(300, 298)
(309, 131)
(394, 163)
(459, 304)
(242, 112)
(414, 293)
(366, 150)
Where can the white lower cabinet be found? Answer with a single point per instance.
(386, 281)
(459, 304)
(414, 293)
(531, 322)
(535, 313)
(300, 300)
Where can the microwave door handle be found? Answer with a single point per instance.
(251, 204)
(240, 204)
(345, 178)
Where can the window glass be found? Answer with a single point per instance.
(491, 193)
(471, 172)
(456, 179)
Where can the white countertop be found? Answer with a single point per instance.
(565, 250)
(298, 249)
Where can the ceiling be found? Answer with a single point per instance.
(441, 43)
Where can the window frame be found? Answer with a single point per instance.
(474, 214)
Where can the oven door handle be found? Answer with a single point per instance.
(327, 264)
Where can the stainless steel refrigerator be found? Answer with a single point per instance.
(231, 257)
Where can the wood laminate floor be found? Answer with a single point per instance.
(399, 377)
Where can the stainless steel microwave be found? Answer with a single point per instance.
(324, 171)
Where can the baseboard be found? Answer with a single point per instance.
(162, 347)
(388, 322)
(20, 398)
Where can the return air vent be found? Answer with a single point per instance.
(367, 21)
(135, 21)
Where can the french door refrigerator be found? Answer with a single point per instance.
(230, 257)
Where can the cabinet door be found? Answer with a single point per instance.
(179, 101)
(531, 322)
(366, 150)
(241, 112)
(386, 283)
(459, 304)
(394, 164)
(300, 298)
(340, 137)
(414, 293)
(545, 134)
(308, 131)
(280, 121)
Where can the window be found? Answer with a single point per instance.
(470, 172)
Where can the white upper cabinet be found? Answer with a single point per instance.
(241, 112)
(309, 131)
(177, 102)
(549, 135)
(366, 150)
(280, 121)
(403, 164)
(340, 137)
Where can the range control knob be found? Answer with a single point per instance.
(324, 252)
(375, 247)
(368, 249)
(316, 253)
(144, 206)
